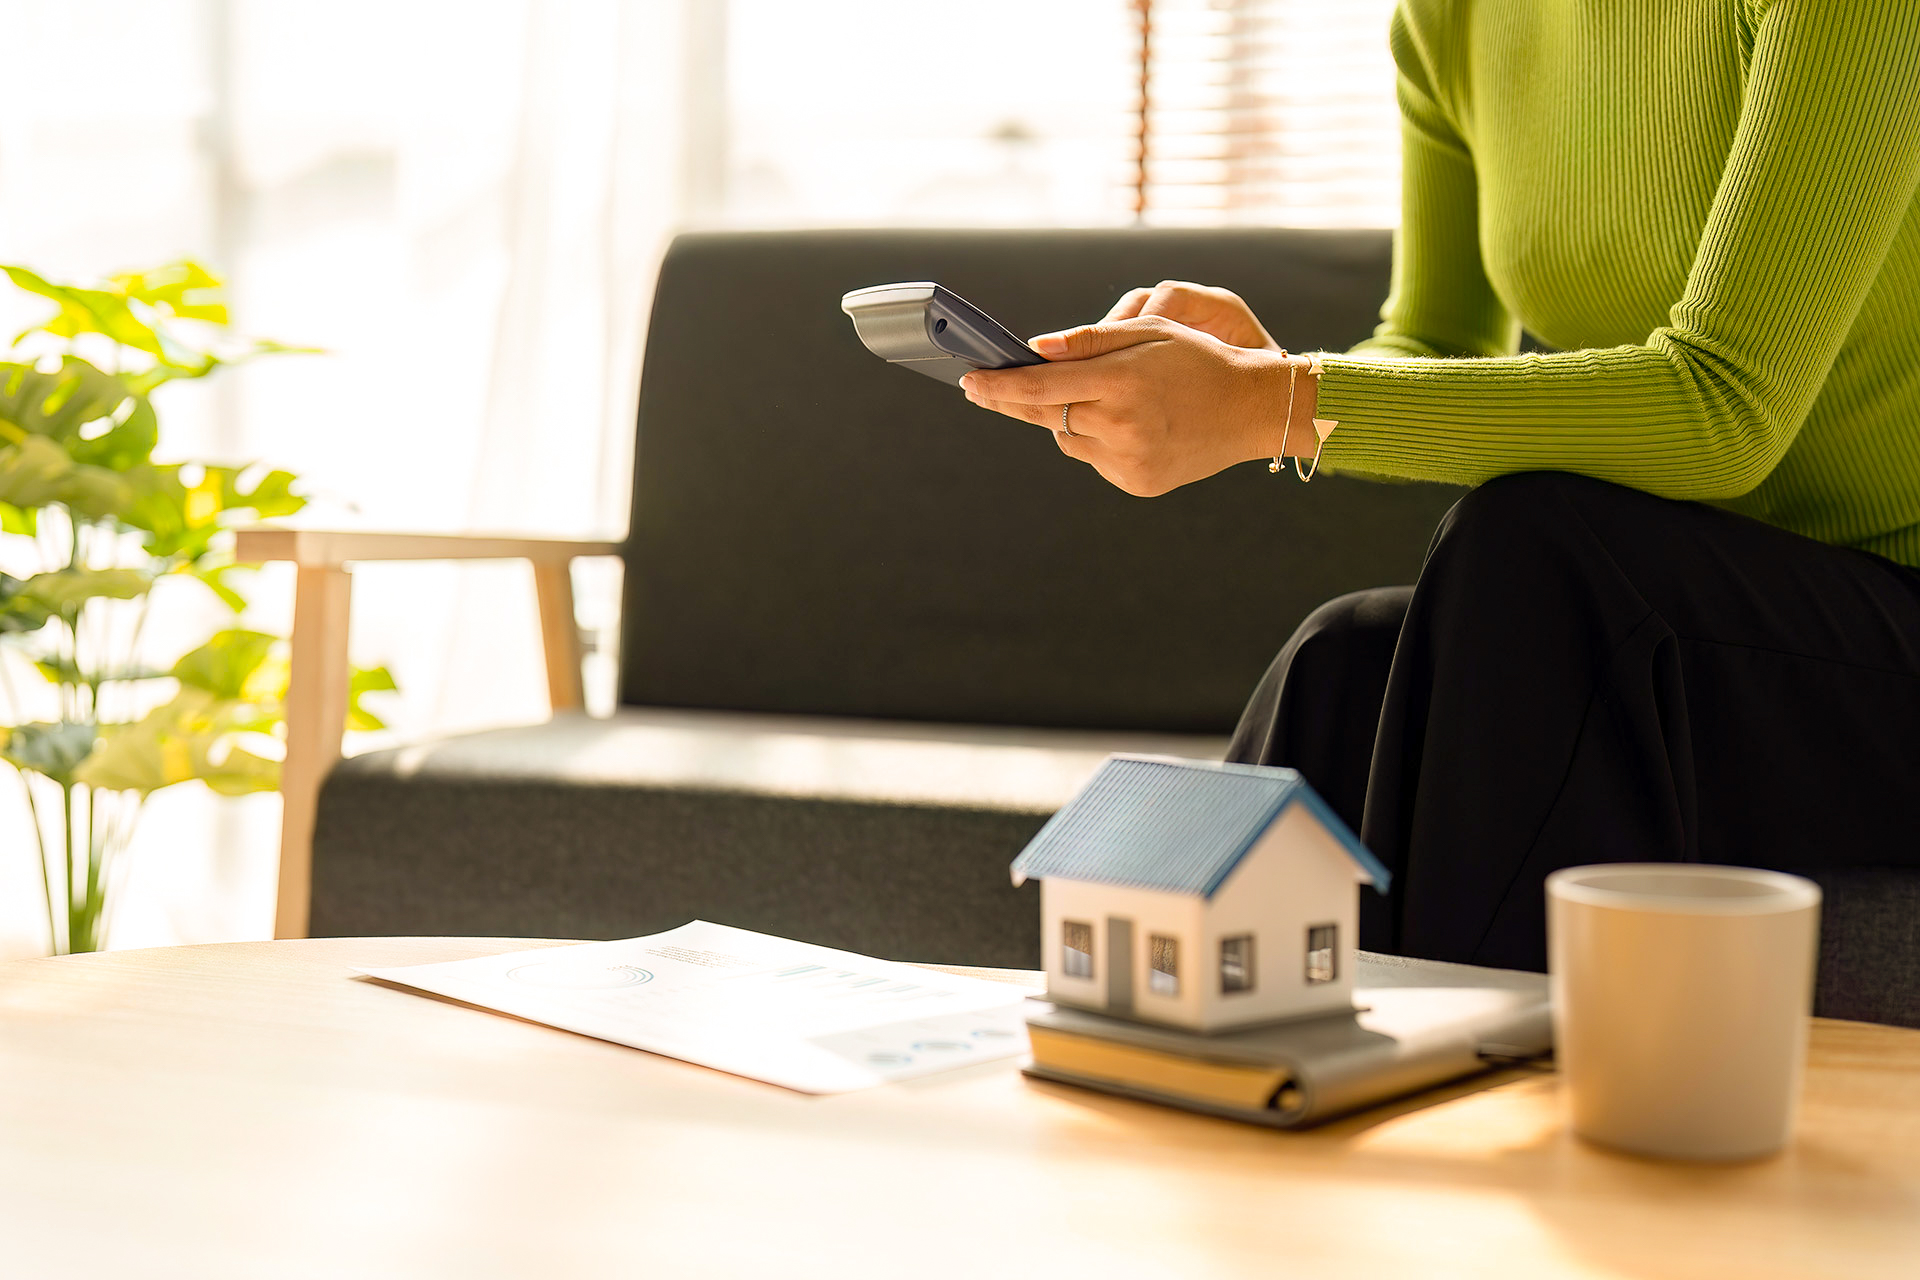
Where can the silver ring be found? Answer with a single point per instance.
(1066, 430)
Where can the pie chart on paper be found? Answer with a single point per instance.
(561, 975)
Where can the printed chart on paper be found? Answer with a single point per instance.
(790, 1013)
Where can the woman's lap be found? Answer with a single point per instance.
(1586, 673)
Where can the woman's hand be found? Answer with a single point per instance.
(1156, 403)
(1219, 312)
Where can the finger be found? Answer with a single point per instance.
(1169, 297)
(1090, 340)
(1177, 298)
(1040, 415)
(1069, 382)
(1079, 446)
(1085, 419)
(1129, 305)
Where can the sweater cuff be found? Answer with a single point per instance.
(1368, 396)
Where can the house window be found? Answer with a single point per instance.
(1163, 959)
(1076, 948)
(1236, 963)
(1321, 948)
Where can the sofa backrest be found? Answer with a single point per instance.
(815, 531)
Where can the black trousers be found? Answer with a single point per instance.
(1586, 673)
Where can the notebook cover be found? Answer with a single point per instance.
(1416, 1024)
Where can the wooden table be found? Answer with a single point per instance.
(251, 1110)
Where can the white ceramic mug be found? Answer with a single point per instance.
(1681, 994)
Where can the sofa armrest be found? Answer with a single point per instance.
(318, 681)
(318, 548)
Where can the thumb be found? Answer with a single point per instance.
(1090, 340)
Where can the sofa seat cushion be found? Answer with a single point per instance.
(882, 837)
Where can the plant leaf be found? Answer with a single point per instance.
(54, 750)
(94, 493)
(64, 671)
(57, 404)
(24, 521)
(20, 613)
(271, 496)
(268, 347)
(37, 472)
(182, 520)
(184, 288)
(189, 365)
(125, 444)
(223, 665)
(33, 472)
(88, 311)
(197, 734)
(215, 578)
(64, 591)
(240, 772)
(159, 506)
(365, 680)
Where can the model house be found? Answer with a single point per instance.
(1198, 894)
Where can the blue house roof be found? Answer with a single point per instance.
(1182, 826)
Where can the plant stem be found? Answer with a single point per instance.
(93, 906)
(69, 695)
(46, 874)
(142, 606)
(66, 820)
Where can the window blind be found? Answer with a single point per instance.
(1278, 112)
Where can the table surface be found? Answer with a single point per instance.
(255, 1110)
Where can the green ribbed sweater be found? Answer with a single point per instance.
(1707, 207)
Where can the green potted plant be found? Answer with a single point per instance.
(93, 533)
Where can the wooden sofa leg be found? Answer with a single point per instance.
(559, 633)
(317, 690)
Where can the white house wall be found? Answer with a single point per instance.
(1297, 876)
(1151, 911)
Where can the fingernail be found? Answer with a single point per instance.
(1050, 344)
(966, 383)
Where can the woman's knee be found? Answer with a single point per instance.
(1357, 629)
(1517, 527)
(1376, 613)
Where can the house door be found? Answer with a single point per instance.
(1119, 964)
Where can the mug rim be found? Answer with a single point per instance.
(1786, 892)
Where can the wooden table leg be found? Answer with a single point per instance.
(317, 691)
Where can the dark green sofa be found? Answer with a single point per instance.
(873, 635)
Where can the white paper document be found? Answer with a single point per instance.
(790, 1013)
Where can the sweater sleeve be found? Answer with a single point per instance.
(1822, 171)
(1441, 303)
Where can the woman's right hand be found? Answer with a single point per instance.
(1219, 312)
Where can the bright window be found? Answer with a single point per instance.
(1163, 972)
(1322, 953)
(1272, 112)
(889, 112)
(1236, 964)
(1076, 948)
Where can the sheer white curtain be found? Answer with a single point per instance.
(464, 203)
(596, 185)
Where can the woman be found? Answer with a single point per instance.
(1708, 209)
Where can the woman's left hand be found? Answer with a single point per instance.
(1155, 404)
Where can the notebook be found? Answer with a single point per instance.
(1416, 1024)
